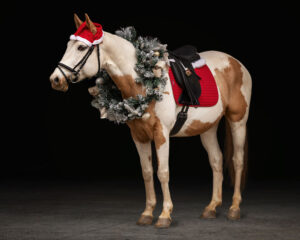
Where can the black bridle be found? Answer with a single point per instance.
(80, 64)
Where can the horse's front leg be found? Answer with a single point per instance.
(144, 150)
(161, 139)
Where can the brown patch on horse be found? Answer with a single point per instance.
(159, 137)
(236, 102)
(197, 127)
(148, 130)
(127, 85)
(150, 159)
(142, 130)
(166, 92)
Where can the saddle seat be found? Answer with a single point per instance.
(187, 52)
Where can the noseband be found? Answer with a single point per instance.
(80, 64)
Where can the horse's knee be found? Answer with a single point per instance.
(163, 175)
(147, 174)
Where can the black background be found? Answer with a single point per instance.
(49, 134)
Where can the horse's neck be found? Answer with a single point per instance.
(120, 60)
(119, 56)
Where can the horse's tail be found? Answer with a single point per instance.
(228, 155)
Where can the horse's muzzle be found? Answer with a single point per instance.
(59, 84)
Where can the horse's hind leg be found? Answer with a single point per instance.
(237, 115)
(210, 143)
(238, 131)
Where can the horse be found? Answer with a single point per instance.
(117, 56)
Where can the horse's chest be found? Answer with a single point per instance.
(141, 130)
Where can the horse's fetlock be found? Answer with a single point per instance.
(168, 206)
(218, 203)
(237, 199)
(151, 203)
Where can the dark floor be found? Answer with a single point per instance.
(90, 210)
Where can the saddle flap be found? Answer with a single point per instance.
(209, 91)
(188, 83)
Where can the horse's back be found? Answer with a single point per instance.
(220, 60)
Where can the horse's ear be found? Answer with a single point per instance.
(90, 24)
(77, 20)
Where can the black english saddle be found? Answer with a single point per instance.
(181, 64)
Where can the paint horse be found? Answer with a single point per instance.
(118, 58)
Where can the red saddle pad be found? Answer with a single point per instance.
(209, 92)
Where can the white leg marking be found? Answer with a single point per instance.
(210, 143)
(163, 175)
(238, 130)
(144, 150)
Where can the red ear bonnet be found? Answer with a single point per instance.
(84, 34)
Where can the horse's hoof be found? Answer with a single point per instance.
(145, 220)
(208, 214)
(234, 214)
(163, 223)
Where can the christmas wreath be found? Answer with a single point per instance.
(149, 51)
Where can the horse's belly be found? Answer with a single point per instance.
(200, 119)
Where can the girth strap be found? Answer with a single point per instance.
(181, 118)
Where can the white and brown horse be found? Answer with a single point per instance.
(234, 84)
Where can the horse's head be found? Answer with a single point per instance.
(82, 57)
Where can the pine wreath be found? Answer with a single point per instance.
(148, 52)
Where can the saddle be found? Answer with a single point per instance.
(181, 64)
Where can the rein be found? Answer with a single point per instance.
(80, 65)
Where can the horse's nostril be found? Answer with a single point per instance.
(56, 80)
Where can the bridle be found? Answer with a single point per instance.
(79, 65)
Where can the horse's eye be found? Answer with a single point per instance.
(81, 47)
